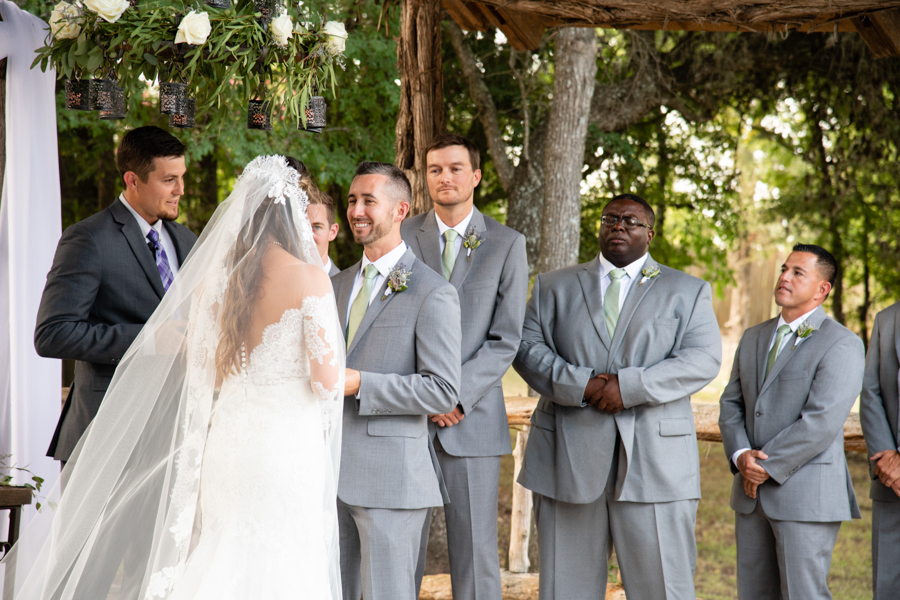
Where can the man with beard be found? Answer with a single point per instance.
(403, 363)
(486, 264)
(616, 347)
(110, 273)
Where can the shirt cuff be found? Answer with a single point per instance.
(734, 456)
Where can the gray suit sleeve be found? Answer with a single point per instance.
(732, 423)
(834, 389)
(874, 420)
(434, 387)
(488, 365)
(692, 365)
(64, 328)
(541, 367)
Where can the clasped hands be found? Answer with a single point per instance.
(753, 472)
(887, 468)
(602, 392)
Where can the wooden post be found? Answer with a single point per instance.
(421, 115)
(520, 521)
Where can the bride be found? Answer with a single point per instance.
(210, 470)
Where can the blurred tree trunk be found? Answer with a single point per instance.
(2, 120)
(573, 90)
(202, 191)
(421, 116)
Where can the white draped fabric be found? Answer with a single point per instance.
(29, 231)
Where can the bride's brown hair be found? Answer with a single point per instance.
(270, 223)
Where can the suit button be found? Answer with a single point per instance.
(759, 414)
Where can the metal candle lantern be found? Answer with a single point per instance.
(266, 8)
(185, 120)
(223, 4)
(173, 96)
(107, 94)
(116, 108)
(78, 94)
(315, 115)
(259, 115)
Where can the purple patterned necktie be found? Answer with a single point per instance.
(162, 261)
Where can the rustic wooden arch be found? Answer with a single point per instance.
(523, 22)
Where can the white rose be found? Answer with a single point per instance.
(282, 29)
(61, 23)
(109, 10)
(193, 29)
(337, 36)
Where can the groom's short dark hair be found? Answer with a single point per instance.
(140, 146)
(397, 186)
(825, 261)
(651, 216)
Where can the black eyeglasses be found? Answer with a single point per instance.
(628, 222)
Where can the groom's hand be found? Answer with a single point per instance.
(611, 401)
(351, 382)
(449, 419)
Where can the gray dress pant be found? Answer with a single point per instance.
(379, 549)
(783, 560)
(885, 550)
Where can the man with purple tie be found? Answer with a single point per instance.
(109, 274)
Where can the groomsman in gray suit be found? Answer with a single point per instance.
(616, 347)
(486, 263)
(793, 383)
(879, 412)
(403, 363)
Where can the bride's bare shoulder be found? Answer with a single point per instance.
(290, 273)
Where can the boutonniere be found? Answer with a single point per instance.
(805, 330)
(471, 241)
(648, 273)
(398, 280)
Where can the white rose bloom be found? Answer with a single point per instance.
(282, 28)
(337, 36)
(60, 25)
(109, 10)
(193, 29)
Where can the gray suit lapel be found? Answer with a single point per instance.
(590, 285)
(378, 304)
(464, 260)
(132, 232)
(429, 245)
(636, 294)
(342, 293)
(788, 352)
(762, 352)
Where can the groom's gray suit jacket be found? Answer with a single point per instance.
(796, 416)
(666, 347)
(407, 348)
(102, 288)
(492, 284)
(879, 403)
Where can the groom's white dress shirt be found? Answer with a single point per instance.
(384, 266)
(164, 238)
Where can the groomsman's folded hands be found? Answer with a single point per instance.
(602, 392)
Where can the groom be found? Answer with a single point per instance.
(403, 363)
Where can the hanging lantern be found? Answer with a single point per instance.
(266, 8)
(78, 94)
(259, 115)
(107, 94)
(116, 108)
(96, 85)
(315, 115)
(173, 97)
(222, 4)
(186, 119)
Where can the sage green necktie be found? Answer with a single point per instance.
(776, 347)
(449, 257)
(611, 300)
(361, 303)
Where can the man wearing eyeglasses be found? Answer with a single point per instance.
(616, 347)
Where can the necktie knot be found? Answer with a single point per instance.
(617, 274)
(153, 236)
(784, 329)
(370, 272)
(450, 235)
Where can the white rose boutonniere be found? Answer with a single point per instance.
(281, 28)
(193, 29)
(62, 21)
(109, 10)
(804, 331)
(398, 280)
(648, 273)
(337, 37)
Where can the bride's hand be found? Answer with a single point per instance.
(351, 382)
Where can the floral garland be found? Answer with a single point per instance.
(256, 49)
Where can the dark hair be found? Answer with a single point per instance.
(316, 196)
(825, 261)
(651, 216)
(452, 139)
(397, 186)
(140, 146)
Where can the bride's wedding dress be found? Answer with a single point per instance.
(262, 480)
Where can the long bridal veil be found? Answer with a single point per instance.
(125, 525)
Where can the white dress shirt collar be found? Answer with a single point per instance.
(793, 325)
(633, 269)
(460, 227)
(327, 266)
(142, 223)
(386, 262)
(165, 239)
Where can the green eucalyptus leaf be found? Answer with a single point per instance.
(150, 58)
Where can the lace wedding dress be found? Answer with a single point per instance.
(262, 479)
